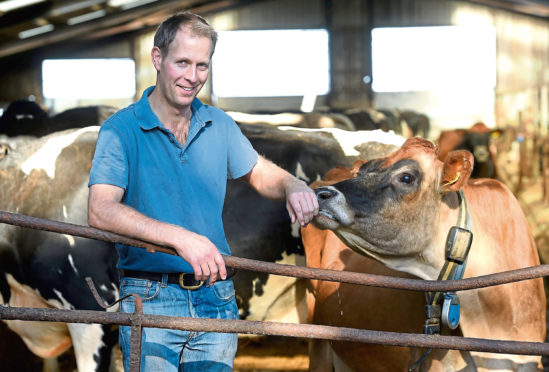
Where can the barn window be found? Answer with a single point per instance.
(88, 78)
(433, 58)
(271, 63)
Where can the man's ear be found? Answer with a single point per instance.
(156, 56)
(457, 170)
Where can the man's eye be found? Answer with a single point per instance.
(406, 178)
(203, 67)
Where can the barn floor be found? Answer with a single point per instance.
(270, 354)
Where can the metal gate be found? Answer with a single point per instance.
(138, 320)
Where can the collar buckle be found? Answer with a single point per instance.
(458, 243)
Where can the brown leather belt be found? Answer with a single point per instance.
(185, 280)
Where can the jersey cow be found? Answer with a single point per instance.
(47, 177)
(476, 140)
(348, 305)
(398, 210)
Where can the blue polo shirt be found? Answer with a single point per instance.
(181, 185)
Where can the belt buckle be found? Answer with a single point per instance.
(189, 287)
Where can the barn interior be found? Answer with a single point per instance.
(457, 62)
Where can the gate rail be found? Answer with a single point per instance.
(137, 320)
(276, 329)
(289, 270)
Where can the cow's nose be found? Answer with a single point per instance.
(324, 193)
(482, 154)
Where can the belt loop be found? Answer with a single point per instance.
(164, 282)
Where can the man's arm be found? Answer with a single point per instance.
(105, 211)
(273, 182)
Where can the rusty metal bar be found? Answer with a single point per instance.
(278, 329)
(136, 320)
(289, 270)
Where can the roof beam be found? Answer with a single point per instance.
(82, 30)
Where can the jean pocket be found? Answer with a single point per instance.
(224, 290)
(147, 290)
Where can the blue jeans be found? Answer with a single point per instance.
(169, 350)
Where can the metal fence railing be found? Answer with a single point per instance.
(137, 320)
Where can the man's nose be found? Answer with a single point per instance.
(191, 73)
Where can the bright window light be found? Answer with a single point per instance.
(433, 58)
(9, 5)
(88, 78)
(271, 63)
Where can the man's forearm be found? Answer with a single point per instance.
(269, 180)
(124, 220)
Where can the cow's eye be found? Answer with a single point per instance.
(406, 178)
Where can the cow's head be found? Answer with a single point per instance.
(478, 140)
(390, 209)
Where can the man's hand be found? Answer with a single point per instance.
(202, 255)
(105, 211)
(301, 202)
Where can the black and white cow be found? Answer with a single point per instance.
(371, 119)
(23, 117)
(313, 120)
(28, 118)
(418, 123)
(47, 177)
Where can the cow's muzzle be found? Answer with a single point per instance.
(481, 153)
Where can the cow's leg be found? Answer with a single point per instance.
(448, 360)
(320, 356)
(339, 364)
(323, 358)
(50, 365)
(116, 359)
(93, 345)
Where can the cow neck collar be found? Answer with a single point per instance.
(444, 307)
(457, 247)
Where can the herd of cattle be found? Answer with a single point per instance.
(386, 206)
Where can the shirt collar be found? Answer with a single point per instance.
(148, 120)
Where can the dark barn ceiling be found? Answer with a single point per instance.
(31, 24)
(45, 22)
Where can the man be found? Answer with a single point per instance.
(159, 174)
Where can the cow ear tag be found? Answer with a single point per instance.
(451, 182)
(450, 310)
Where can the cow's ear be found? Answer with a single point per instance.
(457, 169)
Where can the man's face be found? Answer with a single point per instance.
(184, 69)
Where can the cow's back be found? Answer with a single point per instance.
(502, 241)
